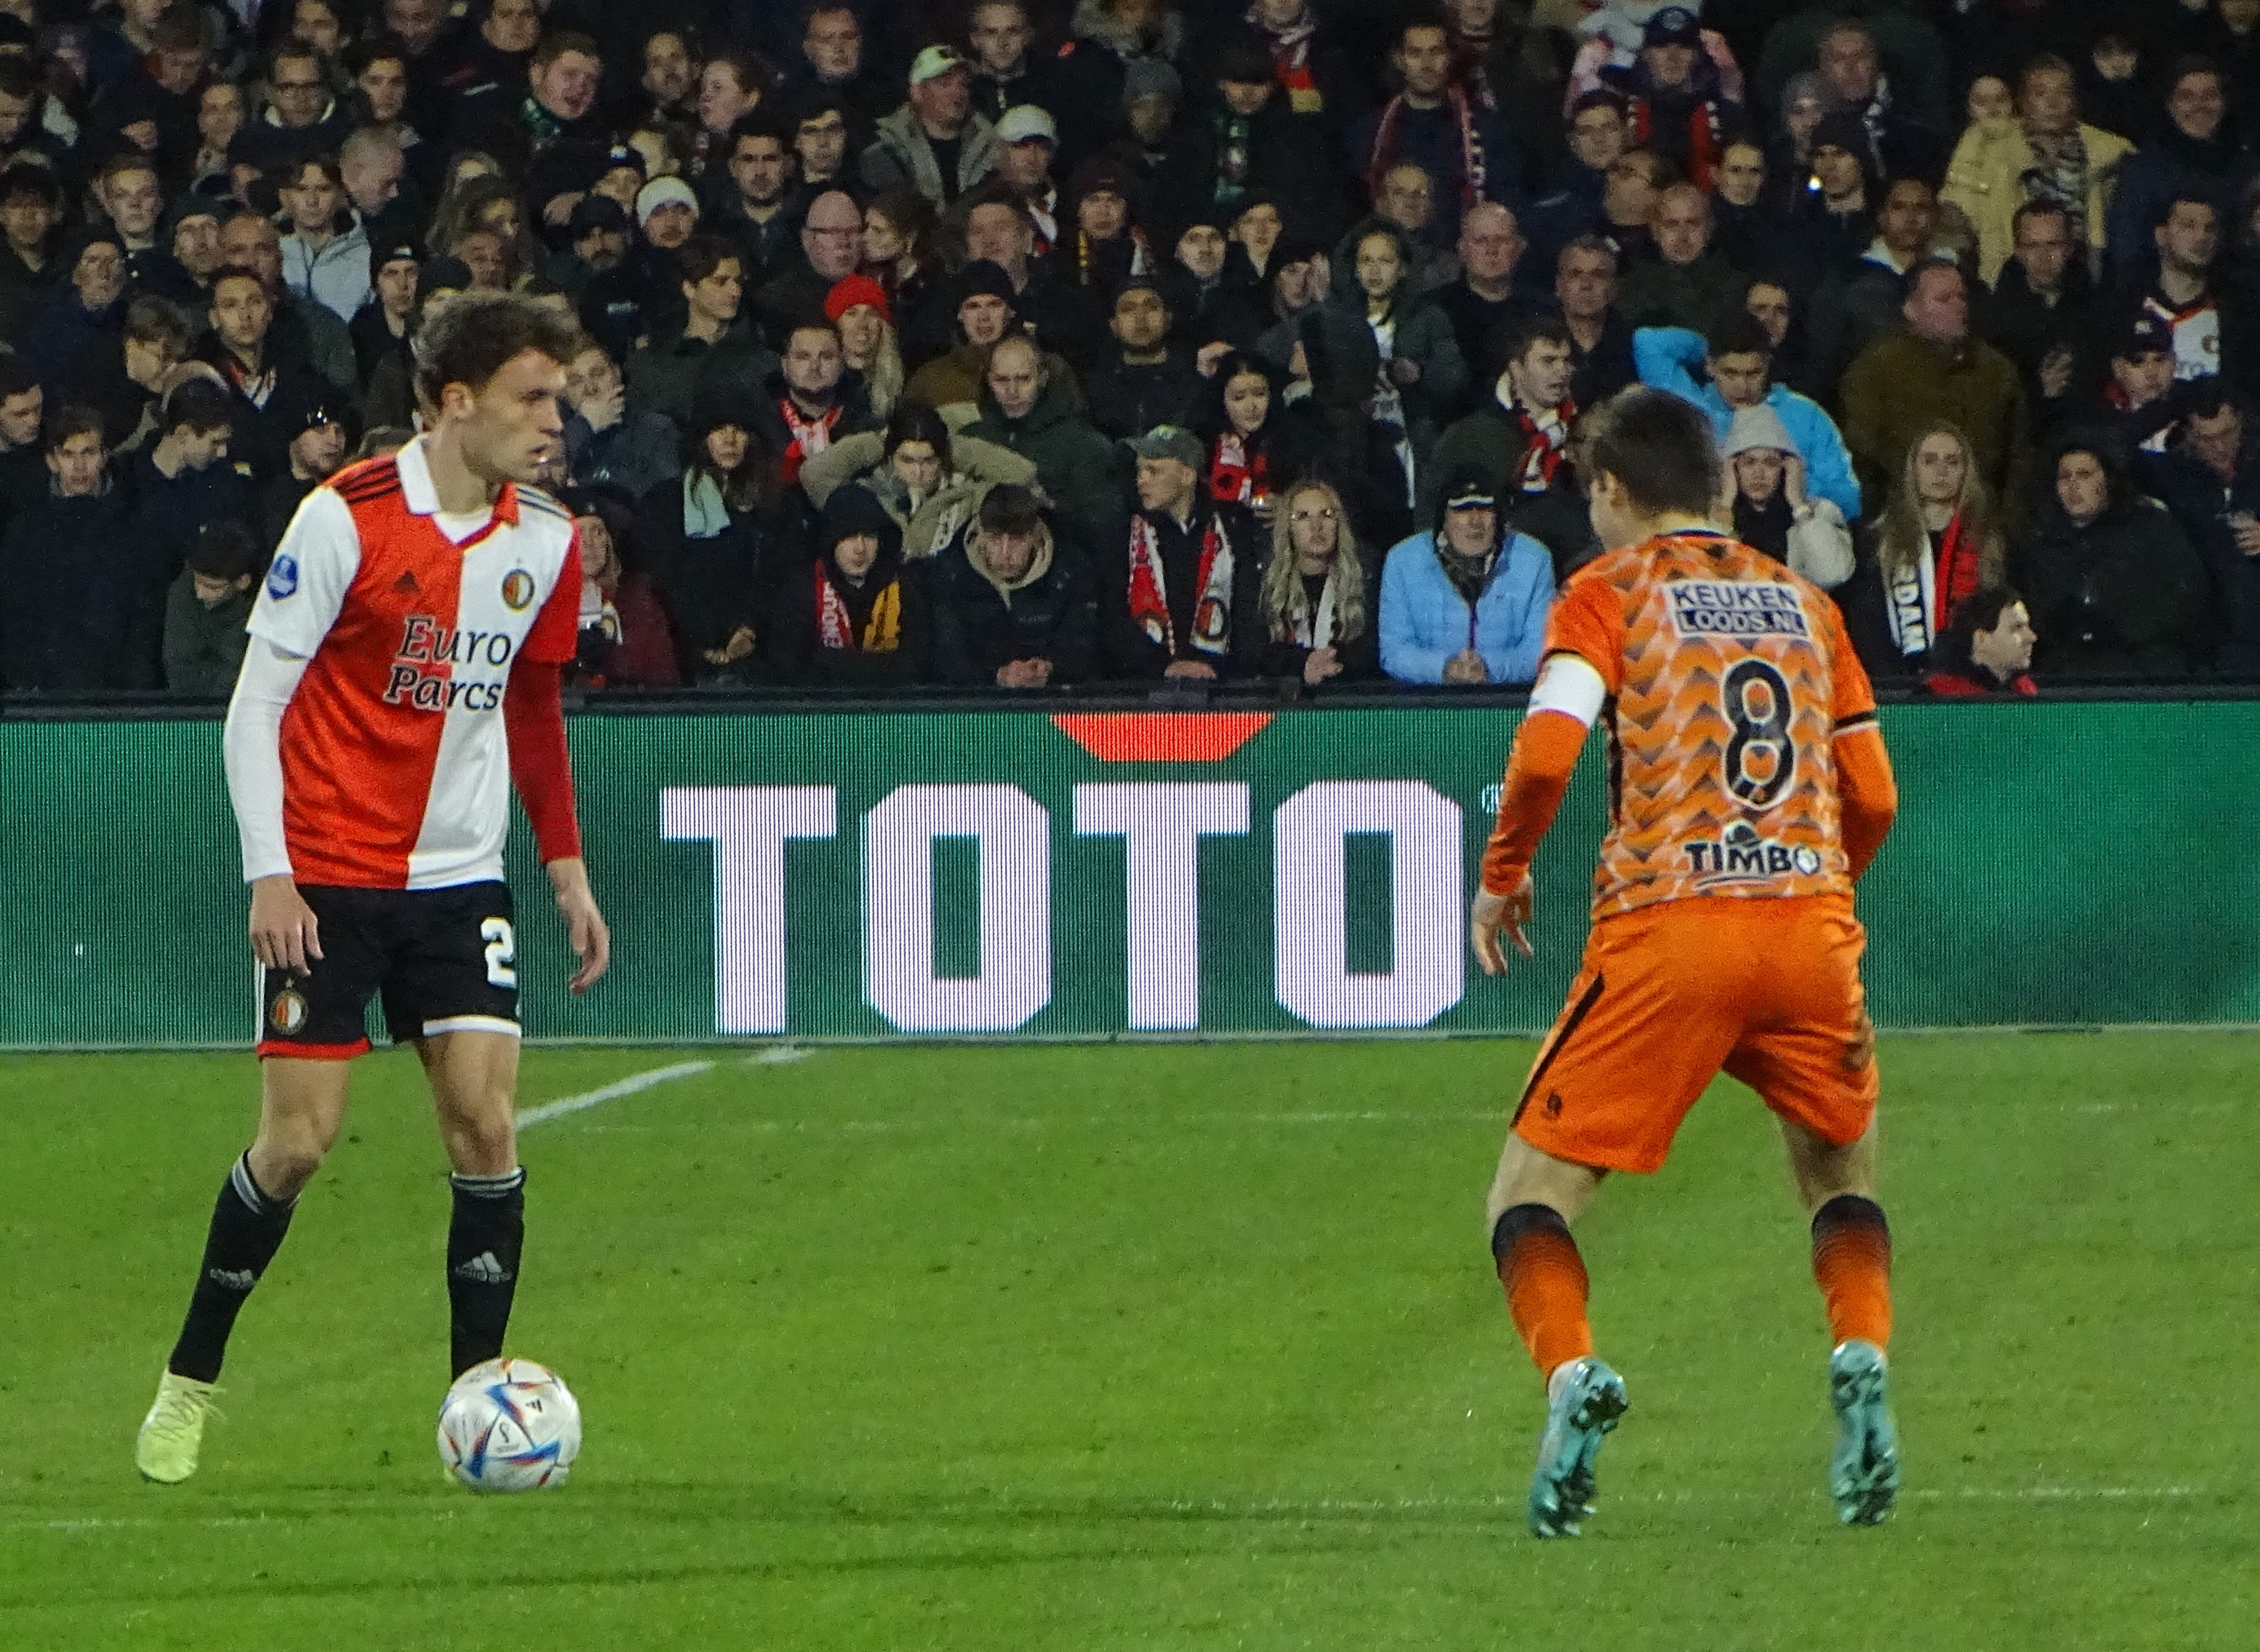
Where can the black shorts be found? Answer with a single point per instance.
(444, 960)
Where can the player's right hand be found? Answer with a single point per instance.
(1491, 913)
(284, 932)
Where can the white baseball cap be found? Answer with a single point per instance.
(933, 63)
(1024, 123)
(663, 192)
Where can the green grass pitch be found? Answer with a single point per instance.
(1156, 1347)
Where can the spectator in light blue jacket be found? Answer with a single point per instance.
(1466, 602)
(1738, 357)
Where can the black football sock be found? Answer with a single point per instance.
(248, 1225)
(483, 1241)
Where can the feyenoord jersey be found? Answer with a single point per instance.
(1728, 678)
(396, 769)
(2196, 331)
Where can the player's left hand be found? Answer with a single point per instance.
(1491, 913)
(584, 924)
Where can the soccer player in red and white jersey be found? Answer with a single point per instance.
(403, 671)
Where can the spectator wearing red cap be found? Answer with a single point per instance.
(934, 142)
(857, 305)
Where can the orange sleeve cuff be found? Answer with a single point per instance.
(1537, 774)
(1870, 796)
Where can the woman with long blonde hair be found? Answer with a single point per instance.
(1318, 595)
(1936, 543)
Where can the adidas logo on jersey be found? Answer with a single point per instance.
(237, 1279)
(484, 1269)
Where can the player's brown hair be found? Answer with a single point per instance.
(1660, 448)
(475, 335)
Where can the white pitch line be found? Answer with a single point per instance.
(1323, 1507)
(629, 1086)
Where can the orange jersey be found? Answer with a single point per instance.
(1728, 679)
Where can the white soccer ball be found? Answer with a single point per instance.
(509, 1425)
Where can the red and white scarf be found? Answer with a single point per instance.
(1474, 167)
(1291, 60)
(1298, 625)
(1236, 475)
(1544, 444)
(810, 436)
(1149, 597)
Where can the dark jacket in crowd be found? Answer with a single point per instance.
(631, 456)
(1075, 466)
(983, 623)
(2122, 597)
(72, 576)
(203, 646)
(2205, 506)
(714, 567)
(1128, 399)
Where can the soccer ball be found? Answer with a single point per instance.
(509, 1425)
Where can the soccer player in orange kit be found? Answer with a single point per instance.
(1749, 788)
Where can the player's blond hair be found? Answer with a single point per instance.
(1900, 535)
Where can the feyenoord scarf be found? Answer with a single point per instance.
(1150, 597)
(1543, 447)
(810, 436)
(835, 628)
(1235, 476)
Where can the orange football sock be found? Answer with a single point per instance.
(1546, 1284)
(1852, 1262)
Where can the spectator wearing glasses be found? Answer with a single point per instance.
(1319, 606)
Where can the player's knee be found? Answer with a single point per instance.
(483, 1140)
(284, 1160)
(1518, 1222)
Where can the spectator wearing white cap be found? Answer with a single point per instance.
(1028, 138)
(934, 142)
(1764, 482)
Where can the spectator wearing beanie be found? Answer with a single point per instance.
(207, 611)
(857, 305)
(858, 616)
(380, 327)
(1466, 602)
(1013, 603)
(1774, 510)
(984, 309)
(88, 308)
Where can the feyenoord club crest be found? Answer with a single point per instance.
(517, 590)
(289, 1012)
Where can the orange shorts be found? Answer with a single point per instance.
(1668, 996)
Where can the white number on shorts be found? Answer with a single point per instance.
(501, 951)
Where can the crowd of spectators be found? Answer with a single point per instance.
(1040, 342)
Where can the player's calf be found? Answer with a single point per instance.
(486, 1238)
(1852, 1264)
